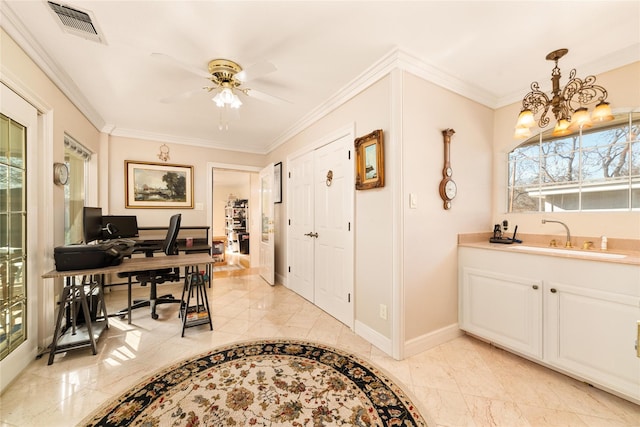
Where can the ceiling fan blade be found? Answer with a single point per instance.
(253, 93)
(171, 99)
(255, 71)
(176, 63)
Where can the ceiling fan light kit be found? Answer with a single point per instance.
(226, 75)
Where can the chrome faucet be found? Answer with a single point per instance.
(568, 244)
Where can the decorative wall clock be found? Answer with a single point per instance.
(60, 174)
(448, 187)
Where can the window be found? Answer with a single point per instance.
(13, 301)
(597, 169)
(76, 156)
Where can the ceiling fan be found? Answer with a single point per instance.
(225, 74)
(227, 80)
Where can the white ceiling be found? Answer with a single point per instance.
(489, 51)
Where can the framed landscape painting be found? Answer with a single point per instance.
(158, 185)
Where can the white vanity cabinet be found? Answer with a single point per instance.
(577, 316)
(503, 308)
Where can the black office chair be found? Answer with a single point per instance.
(156, 277)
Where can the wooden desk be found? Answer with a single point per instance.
(136, 264)
(128, 265)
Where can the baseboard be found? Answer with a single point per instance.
(374, 337)
(432, 339)
(281, 279)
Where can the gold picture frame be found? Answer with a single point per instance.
(370, 161)
(158, 185)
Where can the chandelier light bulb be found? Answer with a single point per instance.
(562, 128)
(581, 119)
(602, 112)
(525, 119)
(522, 132)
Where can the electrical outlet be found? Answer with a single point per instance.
(383, 311)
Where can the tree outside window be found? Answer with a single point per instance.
(597, 169)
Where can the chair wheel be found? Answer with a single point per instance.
(154, 316)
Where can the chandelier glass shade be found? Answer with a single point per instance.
(568, 105)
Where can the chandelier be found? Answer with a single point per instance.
(567, 105)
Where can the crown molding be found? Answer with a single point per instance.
(196, 142)
(395, 59)
(22, 36)
(367, 78)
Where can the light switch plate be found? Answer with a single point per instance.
(413, 201)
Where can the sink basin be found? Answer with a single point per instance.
(574, 252)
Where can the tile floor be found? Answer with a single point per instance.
(464, 382)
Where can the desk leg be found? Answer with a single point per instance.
(129, 299)
(61, 308)
(87, 315)
(101, 299)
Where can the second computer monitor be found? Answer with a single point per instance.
(121, 226)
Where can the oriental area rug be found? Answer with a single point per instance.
(264, 383)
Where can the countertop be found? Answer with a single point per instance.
(630, 248)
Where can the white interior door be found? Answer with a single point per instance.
(267, 252)
(320, 237)
(333, 211)
(301, 226)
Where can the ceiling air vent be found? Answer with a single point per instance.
(77, 22)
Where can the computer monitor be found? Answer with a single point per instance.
(119, 226)
(91, 224)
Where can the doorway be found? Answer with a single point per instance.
(232, 218)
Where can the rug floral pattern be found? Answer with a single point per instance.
(264, 383)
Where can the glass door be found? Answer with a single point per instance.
(267, 252)
(13, 295)
(18, 234)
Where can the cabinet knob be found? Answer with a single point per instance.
(554, 290)
(535, 287)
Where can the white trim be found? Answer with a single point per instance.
(374, 337)
(394, 157)
(16, 108)
(396, 58)
(18, 32)
(432, 339)
(174, 139)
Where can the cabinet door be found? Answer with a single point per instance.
(592, 334)
(506, 310)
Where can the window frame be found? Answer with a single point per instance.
(578, 184)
